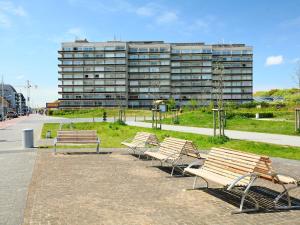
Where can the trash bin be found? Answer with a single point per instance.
(28, 138)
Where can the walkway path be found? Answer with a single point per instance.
(242, 135)
(16, 166)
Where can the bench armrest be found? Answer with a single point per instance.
(278, 175)
(195, 163)
(241, 178)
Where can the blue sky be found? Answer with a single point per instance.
(31, 32)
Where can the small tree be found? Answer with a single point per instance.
(171, 103)
(193, 104)
(104, 116)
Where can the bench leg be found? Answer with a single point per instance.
(286, 192)
(54, 149)
(97, 148)
(244, 195)
(195, 181)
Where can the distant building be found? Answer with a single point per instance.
(4, 105)
(16, 101)
(135, 73)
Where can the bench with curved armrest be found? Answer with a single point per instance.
(171, 151)
(231, 168)
(141, 142)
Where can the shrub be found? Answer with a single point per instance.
(266, 115)
(218, 140)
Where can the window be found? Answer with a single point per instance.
(67, 82)
(109, 55)
(99, 82)
(96, 75)
(109, 48)
(78, 82)
(78, 89)
(120, 54)
(86, 76)
(133, 56)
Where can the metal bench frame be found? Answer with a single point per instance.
(267, 174)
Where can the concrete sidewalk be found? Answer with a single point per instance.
(16, 166)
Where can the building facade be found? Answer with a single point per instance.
(133, 74)
(16, 101)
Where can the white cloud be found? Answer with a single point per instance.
(167, 17)
(8, 10)
(274, 60)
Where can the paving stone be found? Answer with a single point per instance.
(87, 189)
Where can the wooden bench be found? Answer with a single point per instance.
(77, 137)
(171, 151)
(232, 168)
(141, 142)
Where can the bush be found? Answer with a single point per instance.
(231, 115)
(218, 140)
(266, 115)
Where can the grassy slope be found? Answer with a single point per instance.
(89, 113)
(203, 119)
(113, 134)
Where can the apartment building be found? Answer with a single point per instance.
(134, 73)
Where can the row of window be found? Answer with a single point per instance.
(161, 49)
(244, 58)
(191, 77)
(156, 76)
(93, 82)
(149, 69)
(150, 89)
(96, 68)
(177, 64)
(234, 77)
(150, 56)
(98, 48)
(231, 52)
(96, 55)
(192, 70)
(146, 63)
(149, 83)
(191, 57)
(193, 83)
(93, 89)
(94, 96)
(91, 62)
(100, 75)
(191, 51)
(237, 71)
(235, 90)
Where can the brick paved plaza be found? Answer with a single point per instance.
(116, 188)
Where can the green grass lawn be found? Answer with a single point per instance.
(89, 113)
(112, 134)
(205, 119)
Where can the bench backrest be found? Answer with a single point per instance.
(173, 147)
(144, 138)
(76, 135)
(231, 163)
